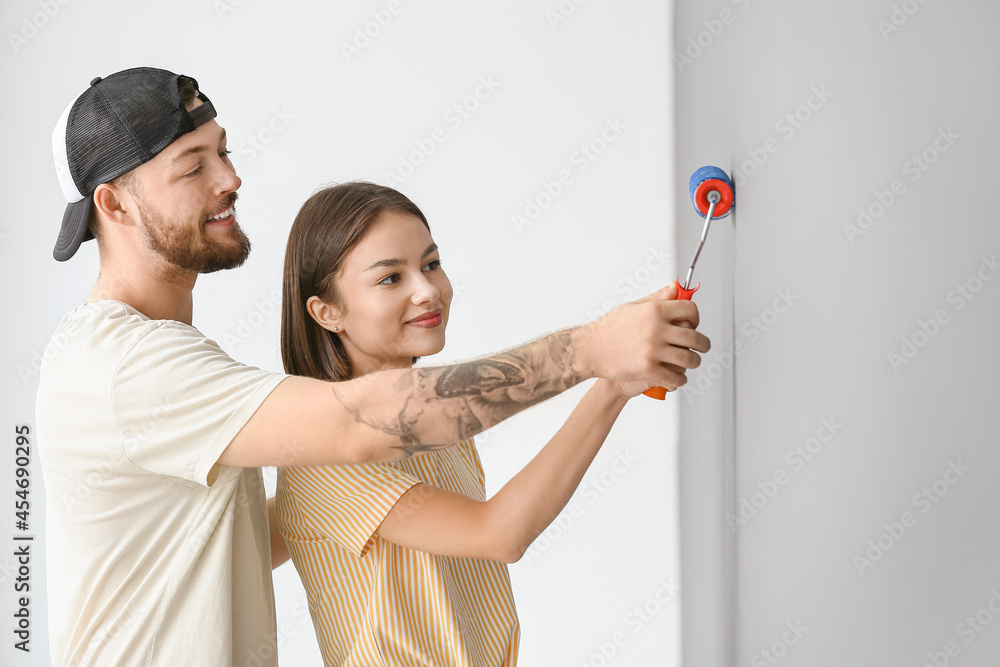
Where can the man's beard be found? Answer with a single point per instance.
(190, 248)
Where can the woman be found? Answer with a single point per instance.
(404, 562)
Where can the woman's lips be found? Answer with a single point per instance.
(427, 320)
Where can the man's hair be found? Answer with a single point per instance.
(127, 181)
(186, 88)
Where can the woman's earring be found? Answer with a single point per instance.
(336, 328)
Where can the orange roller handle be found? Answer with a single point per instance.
(683, 294)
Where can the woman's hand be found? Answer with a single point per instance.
(629, 390)
(620, 392)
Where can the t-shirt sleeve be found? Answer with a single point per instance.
(180, 400)
(343, 503)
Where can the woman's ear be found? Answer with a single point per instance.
(327, 316)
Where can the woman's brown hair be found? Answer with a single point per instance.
(328, 226)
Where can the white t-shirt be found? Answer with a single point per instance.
(156, 555)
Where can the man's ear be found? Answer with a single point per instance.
(326, 315)
(115, 205)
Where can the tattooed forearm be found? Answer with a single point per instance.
(497, 387)
(477, 377)
(448, 404)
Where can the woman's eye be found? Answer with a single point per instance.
(225, 153)
(433, 265)
(390, 279)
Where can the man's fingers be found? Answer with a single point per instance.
(676, 369)
(680, 357)
(681, 311)
(668, 293)
(675, 358)
(670, 365)
(683, 336)
(669, 378)
(653, 338)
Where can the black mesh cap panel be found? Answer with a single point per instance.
(122, 122)
(119, 123)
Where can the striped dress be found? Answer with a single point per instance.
(376, 603)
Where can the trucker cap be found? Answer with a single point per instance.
(118, 123)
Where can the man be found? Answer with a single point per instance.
(160, 541)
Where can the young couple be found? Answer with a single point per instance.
(159, 539)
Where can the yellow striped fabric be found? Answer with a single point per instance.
(377, 603)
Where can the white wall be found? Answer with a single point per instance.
(870, 548)
(301, 113)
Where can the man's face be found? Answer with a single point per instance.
(185, 197)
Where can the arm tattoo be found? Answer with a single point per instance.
(459, 401)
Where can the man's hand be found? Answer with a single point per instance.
(649, 342)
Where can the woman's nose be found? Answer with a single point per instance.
(425, 291)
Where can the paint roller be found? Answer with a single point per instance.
(713, 196)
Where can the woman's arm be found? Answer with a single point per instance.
(502, 528)
(279, 550)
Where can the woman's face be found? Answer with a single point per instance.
(394, 295)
